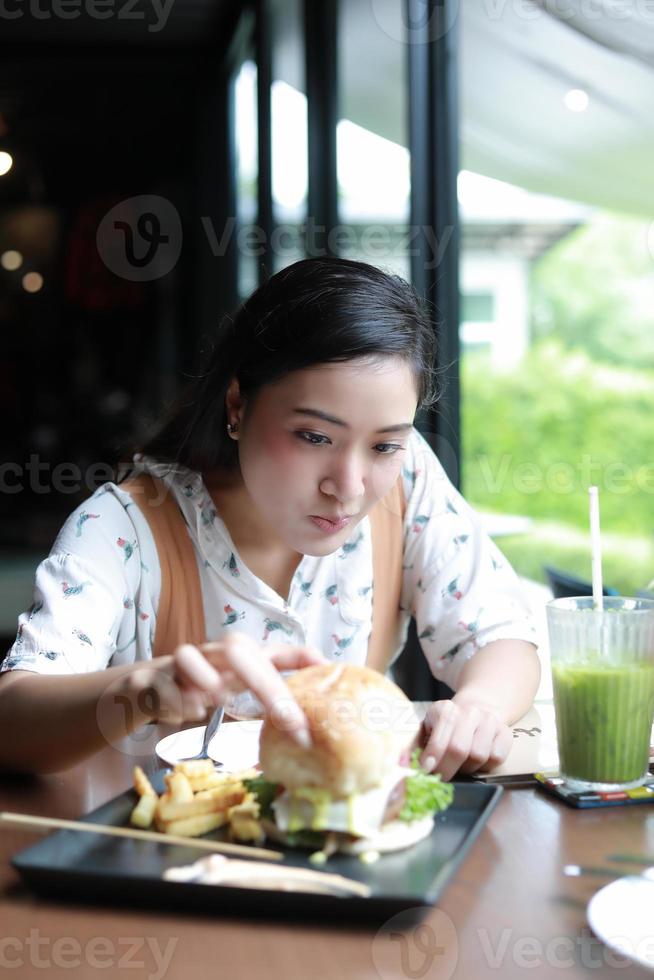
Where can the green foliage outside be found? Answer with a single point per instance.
(578, 411)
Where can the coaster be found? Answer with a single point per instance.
(554, 785)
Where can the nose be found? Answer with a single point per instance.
(346, 481)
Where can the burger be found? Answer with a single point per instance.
(359, 788)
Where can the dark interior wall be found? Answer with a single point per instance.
(87, 362)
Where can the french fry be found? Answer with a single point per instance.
(179, 788)
(198, 799)
(142, 784)
(143, 813)
(216, 780)
(208, 801)
(194, 768)
(244, 823)
(193, 826)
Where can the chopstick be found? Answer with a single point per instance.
(28, 821)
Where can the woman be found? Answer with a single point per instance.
(301, 422)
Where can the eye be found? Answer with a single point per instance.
(388, 448)
(313, 438)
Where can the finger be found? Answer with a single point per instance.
(193, 670)
(287, 657)
(482, 745)
(252, 666)
(501, 747)
(439, 723)
(460, 742)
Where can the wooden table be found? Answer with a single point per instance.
(509, 912)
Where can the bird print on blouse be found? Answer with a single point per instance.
(232, 616)
(82, 637)
(452, 589)
(473, 625)
(304, 587)
(419, 522)
(411, 475)
(81, 521)
(348, 547)
(71, 590)
(232, 566)
(128, 548)
(342, 642)
(272, 625)
(208, 512)
(330, 594)
(33, 610)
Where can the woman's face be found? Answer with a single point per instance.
(327, 441)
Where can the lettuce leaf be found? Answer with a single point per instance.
(265, 792)
(424, 793)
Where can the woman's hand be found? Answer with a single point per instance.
(181, 687)
(463, 737)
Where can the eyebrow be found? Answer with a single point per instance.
(317, 414)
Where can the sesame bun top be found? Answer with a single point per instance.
(360, 724)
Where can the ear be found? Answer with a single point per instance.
(234, 401)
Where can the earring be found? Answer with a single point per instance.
(232, 427)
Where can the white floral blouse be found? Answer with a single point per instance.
(96, 595)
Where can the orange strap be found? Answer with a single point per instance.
(387, 533)
(179, 619)
(182, 620)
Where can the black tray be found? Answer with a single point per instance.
(97, 868)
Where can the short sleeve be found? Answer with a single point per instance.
(85, 593)
(457, 584)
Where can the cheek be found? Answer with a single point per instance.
(277, 463)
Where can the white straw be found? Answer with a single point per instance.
(596, 546)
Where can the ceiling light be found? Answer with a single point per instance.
(576, 100)
(32, 282)
(11, 260)
(6, 162)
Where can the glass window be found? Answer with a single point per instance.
(247, 173)
(558, 295)
(289, 133)
(372, 137)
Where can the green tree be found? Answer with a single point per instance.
(594, 291)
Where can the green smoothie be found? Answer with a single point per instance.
(603, 719)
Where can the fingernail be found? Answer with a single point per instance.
(303, 737)
(428, 763)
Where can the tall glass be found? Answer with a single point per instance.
(603, 680)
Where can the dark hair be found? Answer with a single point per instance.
(315, 311)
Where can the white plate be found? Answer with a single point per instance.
(235, 744)
(622, 916)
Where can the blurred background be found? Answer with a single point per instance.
(159, 159)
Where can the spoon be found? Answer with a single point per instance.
(214, 724)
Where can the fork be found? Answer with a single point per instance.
(214, 724)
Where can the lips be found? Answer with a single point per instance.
(329, 525)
